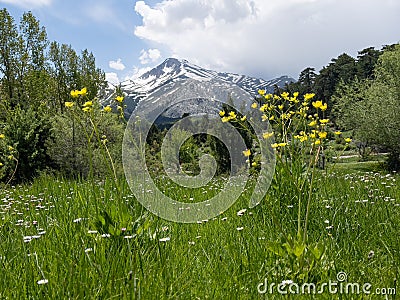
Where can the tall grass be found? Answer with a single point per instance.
(50, 249)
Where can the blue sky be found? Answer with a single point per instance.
(261, 38)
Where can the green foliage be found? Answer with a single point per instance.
(27, 131)
(342, 70)
(371, 107)
(68, 147)
(156, 259)
(35, 82)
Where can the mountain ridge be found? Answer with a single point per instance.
(173, 69)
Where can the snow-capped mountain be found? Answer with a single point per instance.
(173, 70)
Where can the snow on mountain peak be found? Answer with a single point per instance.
(173, 69)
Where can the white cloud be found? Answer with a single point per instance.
(112, 78)
(137, 72)
(149, 56)
(116, 65)
(28, 3)
(267, 38)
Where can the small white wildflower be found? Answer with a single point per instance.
(371, 254)
(241, 212)
(92, 231)
(43, 281)
(166, 239)
(239, 228)
(224, 219)
(27, 239)
(106, 235)
(87, 250)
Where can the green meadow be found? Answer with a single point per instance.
(57, 242)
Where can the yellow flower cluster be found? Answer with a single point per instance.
(87, 106)
(291, 118)
(229, 117)
(77, 93)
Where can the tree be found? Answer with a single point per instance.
(8, 54)
(366, 61)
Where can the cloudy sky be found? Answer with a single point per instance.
(261, 38)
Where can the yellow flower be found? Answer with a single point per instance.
(308, 96)
(264, 107)
(1, 164)
(317, 104)
(10, 157)
(243, 118)
(75, 94)
(324, 107)
(317, 142)
(225, 119)
(254, 164)
(88, 104)
(268, 97)
(276, 145)
(295, 94)
(348, 140)
(254, 105)
(261, 92)
(267, 135)
(86, 109)
(303, 138)
(222, 113)
(322, 135)
(107, 108)
(10, 148)
(312, 123)
(285, 95)
(247, 152)
(119, 99)
(271, 118)
(338, 132)
(2, 136)
(280, 107)
(69, 104)
(324, 121)
(83, 92)
(276, 97)
(232, 115)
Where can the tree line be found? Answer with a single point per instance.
(36, 78)
(363, 96)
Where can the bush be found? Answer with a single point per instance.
(27, 131)
(68, 147)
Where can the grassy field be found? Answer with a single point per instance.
(57, 242)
